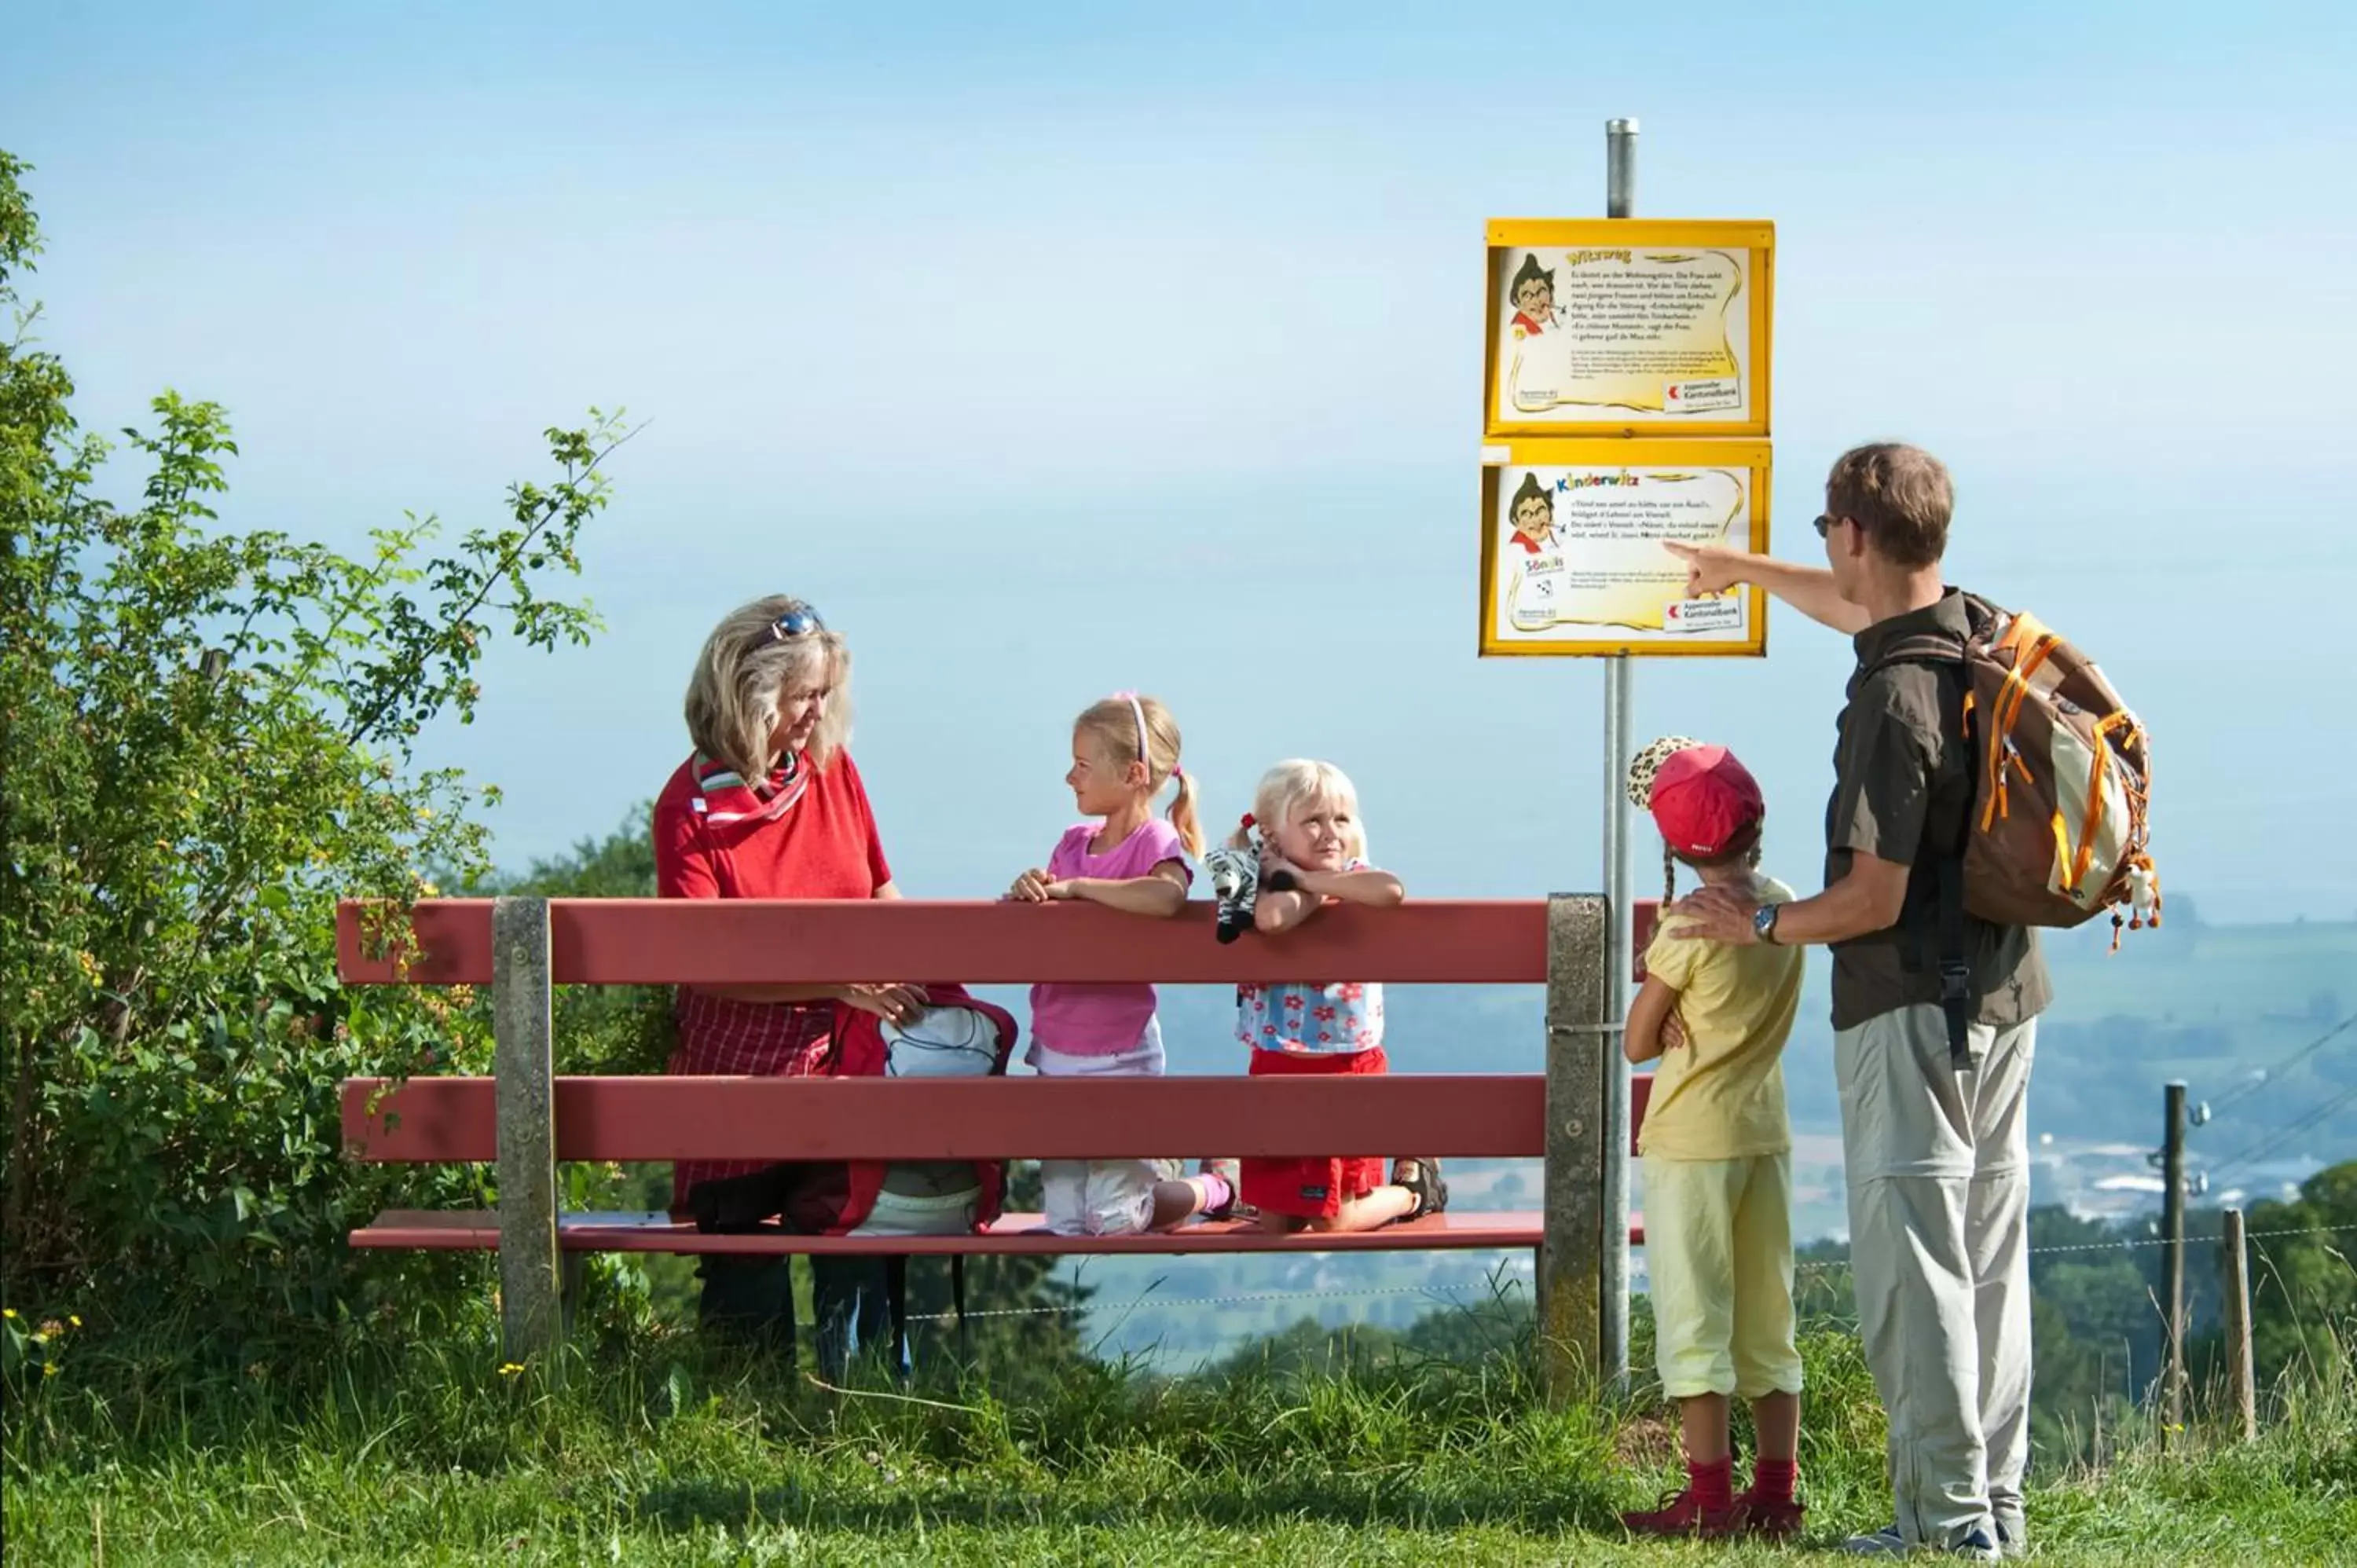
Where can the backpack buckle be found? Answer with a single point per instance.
(1955, 982)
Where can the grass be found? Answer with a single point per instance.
(669, 1451)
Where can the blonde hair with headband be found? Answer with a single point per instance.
(1135, 729)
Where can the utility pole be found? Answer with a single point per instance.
(2172, 1252)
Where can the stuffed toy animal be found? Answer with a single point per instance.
(1235, 882)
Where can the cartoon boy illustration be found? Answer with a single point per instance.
(1533, 293)
(1532, 510)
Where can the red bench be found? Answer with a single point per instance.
(524, 946)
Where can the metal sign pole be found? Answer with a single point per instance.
(1620, 202)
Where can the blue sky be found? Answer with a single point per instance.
(1058, 349)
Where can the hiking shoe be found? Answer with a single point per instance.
(1778, 1520)
(1680, 1514)
(1888, 1542)
(1422, 1177)
(2012, 1540)
(1884, 1543)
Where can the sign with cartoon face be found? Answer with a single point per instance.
(1574, 537)
(1624, 327)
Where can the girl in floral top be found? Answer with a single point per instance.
(1313, 854)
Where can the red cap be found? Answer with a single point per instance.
(1704, 800)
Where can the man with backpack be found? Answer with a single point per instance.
(1934, 1007)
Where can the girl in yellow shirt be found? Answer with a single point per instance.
(1718, 1156)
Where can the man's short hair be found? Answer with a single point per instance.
(1899, 496)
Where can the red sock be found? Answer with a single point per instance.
(1771, 1480)
(1713, 1485)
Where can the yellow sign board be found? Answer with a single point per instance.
(1627, 326)
(1574, 536)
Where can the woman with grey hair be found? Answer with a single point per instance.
(769, 806)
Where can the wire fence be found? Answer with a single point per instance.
(1507, 1283)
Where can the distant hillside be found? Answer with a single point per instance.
(2211, 1005)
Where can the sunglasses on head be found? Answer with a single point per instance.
(796, 623)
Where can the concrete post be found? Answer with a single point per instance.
(532, 1291)
(1572, 1303)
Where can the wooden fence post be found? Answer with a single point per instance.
(532, 1312)
(2239, 1366)
(1571, 1258)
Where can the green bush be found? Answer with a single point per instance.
(208, 737)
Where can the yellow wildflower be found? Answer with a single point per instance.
(74, 1318)
(510, 1368)
(48, 1368)
(9, 1313)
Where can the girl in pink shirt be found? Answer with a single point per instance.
(1125, 750)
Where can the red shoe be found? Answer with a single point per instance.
(1778, 1520)
(1680, 1514)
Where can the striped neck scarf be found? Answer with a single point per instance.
(724, 796)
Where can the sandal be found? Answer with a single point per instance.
(1422, 1177)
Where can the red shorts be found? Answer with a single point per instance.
(1315, 1188)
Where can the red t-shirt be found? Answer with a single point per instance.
(716, 839)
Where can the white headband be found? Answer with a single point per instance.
(1138, 712)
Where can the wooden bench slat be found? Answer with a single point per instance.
(637, 1119)
(737, 942)
(641, 1231)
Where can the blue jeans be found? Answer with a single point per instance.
(755, 1296)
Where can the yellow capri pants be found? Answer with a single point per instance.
(1718, 1246)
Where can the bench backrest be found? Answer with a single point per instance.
(645, 941)
(669, 941)
(1495, 1115)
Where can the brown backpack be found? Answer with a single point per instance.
(2059, 831)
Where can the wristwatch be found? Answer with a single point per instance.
(1763, 923)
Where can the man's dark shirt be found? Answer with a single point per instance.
(1904, 791)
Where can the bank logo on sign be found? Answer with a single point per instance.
(1703, 615)
(1702, 396)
